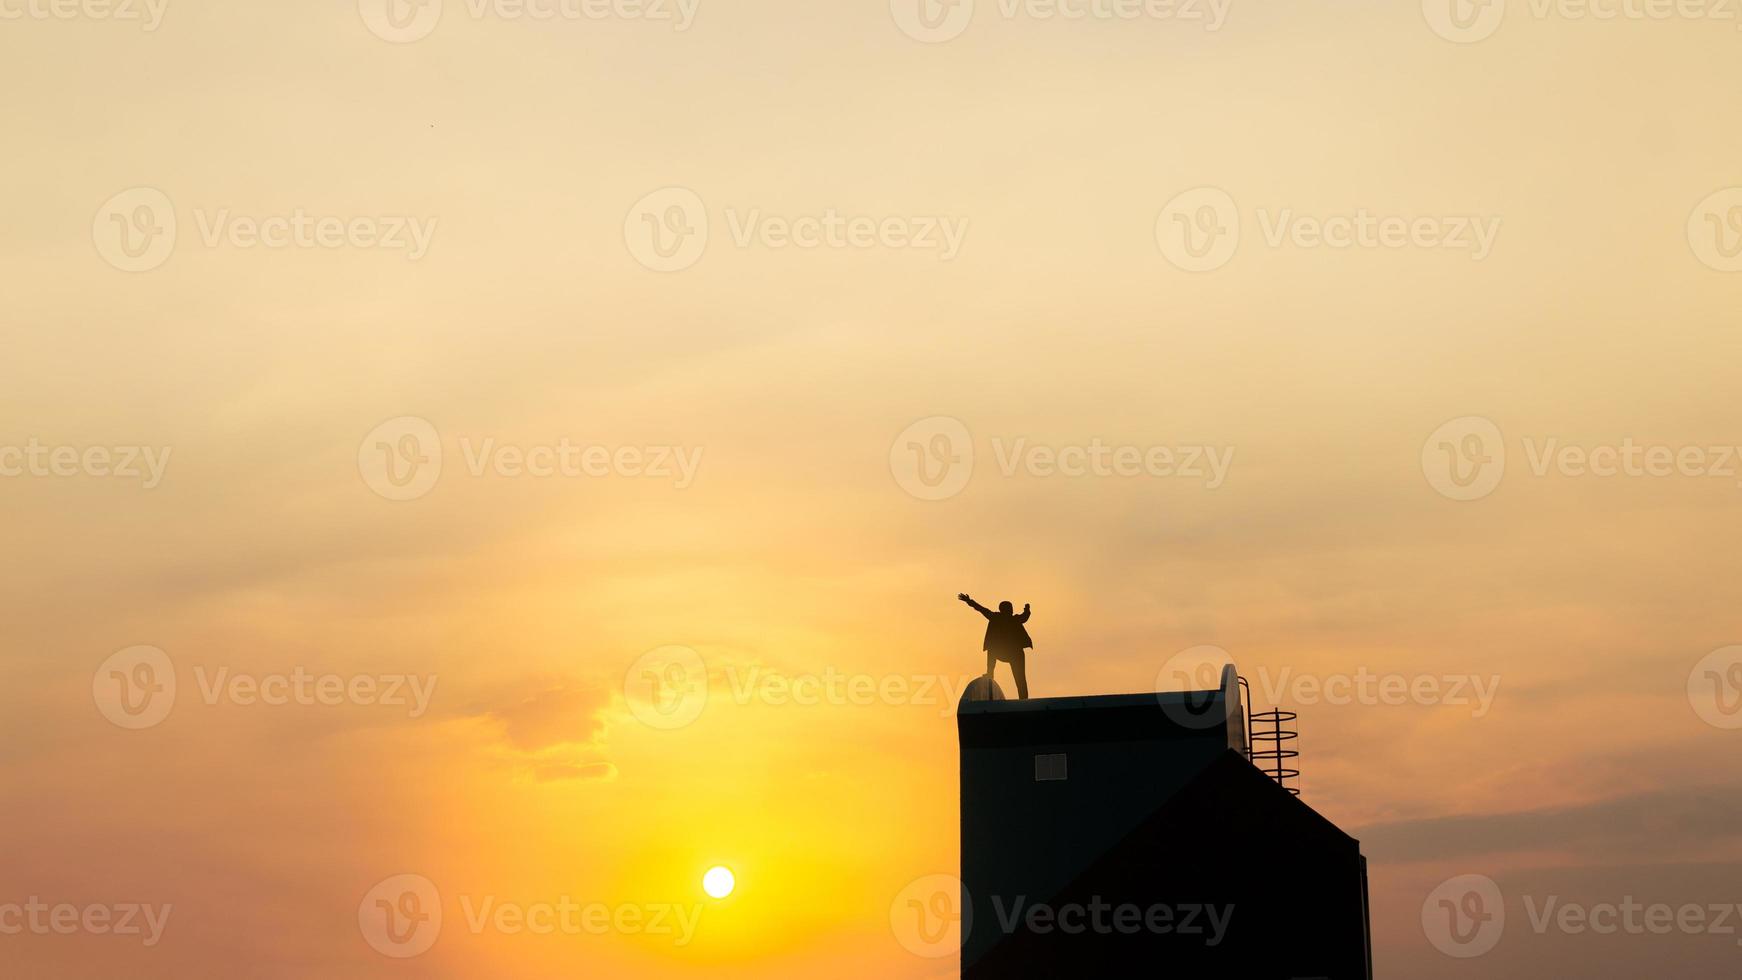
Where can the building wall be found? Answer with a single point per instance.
(1023, 838)
(1154, 808)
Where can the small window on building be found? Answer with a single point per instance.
(1049, 768)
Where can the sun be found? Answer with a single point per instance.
(719, 882)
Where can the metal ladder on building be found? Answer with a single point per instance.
(1267, 746)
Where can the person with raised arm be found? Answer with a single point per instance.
(1006, 639)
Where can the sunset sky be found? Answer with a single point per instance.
(489, 245)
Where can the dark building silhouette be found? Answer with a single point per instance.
(1132, 835)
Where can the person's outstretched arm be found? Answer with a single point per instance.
(982, 610)
(1024, 617)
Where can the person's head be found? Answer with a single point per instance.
(1006, 607)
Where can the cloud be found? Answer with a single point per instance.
(1640, 823)
(563, 712)
(555, 729)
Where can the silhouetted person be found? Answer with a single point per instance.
(1006, 640)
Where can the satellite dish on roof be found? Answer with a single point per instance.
(982, 689)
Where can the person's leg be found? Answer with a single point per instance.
(1019, 667)
(991, 665)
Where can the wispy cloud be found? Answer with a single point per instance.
(1653, 823)
(555, 728)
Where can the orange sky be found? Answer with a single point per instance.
(478, 251)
